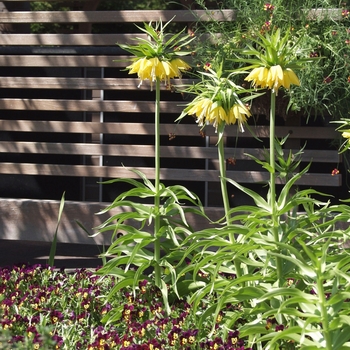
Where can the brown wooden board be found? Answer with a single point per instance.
(165, 174)
(148, 151)
(132, 16)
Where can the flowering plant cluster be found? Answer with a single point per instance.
(274, 256)
(323, 30)
(217, 100)
(275, 61)
(156, 59)
(43, 308)
(267, 277)
(158, 56)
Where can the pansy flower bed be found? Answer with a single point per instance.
(273, 275)
(46, 308)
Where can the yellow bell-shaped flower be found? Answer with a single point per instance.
(153, 68)
(273, 77)
(346, 135)
(241, 113)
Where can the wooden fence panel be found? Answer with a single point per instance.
(65, 96)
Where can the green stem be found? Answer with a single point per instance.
(324, 314)
(157, 187)
(272, 152)
(222, 164)
(274, 215)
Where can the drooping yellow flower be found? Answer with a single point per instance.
(158, 56)
(180, 64)
(290, 78)
(153, 68)
(241, 113)
(200, 109)
(142, 67)
(231, 117)
(273, 77)
(218, 100)
(207, 111)
(276, 60)
(216, 115)
(346, 135)
(258, 76)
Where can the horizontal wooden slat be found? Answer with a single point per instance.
(148, 151)
(76, 40)
(108, 150)
(165, 129)
(132, 16)
(81, 83)
(165, 174)
(88, 105)
(62, 61)
(43, 1)
(66, 39)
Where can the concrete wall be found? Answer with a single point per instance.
(36, 220)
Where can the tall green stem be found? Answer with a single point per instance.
(222, 163)
(274, 215)
(323, 310)
(157, 186)
(272, 152)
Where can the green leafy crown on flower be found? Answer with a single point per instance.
(158, 55)
(276, 58)
(218, 99)
(159, 44)
(273, 49)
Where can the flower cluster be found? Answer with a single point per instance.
(158, 56)
(208, 111)
(335, 171)
(268, 7)
(152, 68)
(144, 317)
(217, 99)
(41, 306)
(275, 61)
(345, 13)
(273, 77)
(35, 297)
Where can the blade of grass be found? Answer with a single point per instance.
(54, 241)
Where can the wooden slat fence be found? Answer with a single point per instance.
(70, 112)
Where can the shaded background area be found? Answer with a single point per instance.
(67, 255)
